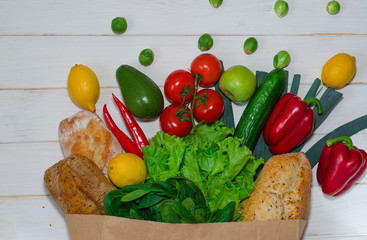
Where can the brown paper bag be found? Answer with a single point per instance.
(96, 227)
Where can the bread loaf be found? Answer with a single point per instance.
(77, 185)
(282, 190)
(86, 134)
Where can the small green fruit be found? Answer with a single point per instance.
(281, 59)
(250, 45)
(146, 57)
(333, 7)
(238, 83)
(281, 8)
(119, 25)
(205, 42)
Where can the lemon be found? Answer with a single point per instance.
(83, 87)
(338, 70)
(126, 169)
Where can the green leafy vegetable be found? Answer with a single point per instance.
(295, 83)
(216, 3)
(210, 157)
(205, 42)
(333, 7)
(119, 25)
(146, 57)
(281, 8)
(177, 200)
(281, 59)
(250, 45)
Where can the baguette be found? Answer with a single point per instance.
(282, 190)
(77, 185)
(86, 134)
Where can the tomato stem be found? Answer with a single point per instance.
(202, 100)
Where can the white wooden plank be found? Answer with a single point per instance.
(25, 164)
(31, 218)
(45, 62)
(338, 216)
(39, 217)
(177, 17)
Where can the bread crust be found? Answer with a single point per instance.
(77, 185)
(282, 190)
(86, 134)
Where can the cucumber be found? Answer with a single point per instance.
(259, 108)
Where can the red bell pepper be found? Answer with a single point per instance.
(340, 166)
(136, 132)
(125, 142)
(290, 123)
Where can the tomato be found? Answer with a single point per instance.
(214, 107)
(171, 124)
(177, 81)
(209, 67)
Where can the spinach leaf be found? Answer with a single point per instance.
(177, 200)
(134, 195)
(109, 198)
(223, 215)
(149, 201)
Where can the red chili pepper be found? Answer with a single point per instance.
(290, 123)
(136, 132)
(125, 142)
(340, 166)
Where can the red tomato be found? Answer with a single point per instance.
(214, 107)
(209, 67)
(174, 84)
(171, 124)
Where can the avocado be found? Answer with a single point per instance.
(142, 96)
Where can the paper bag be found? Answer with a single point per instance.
(96, 227)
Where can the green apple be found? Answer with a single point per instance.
(238, 83)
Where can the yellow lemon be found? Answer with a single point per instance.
(83, 87)
(126, 169)
(338, 70)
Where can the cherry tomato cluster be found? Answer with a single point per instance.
(188, 102)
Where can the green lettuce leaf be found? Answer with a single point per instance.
(210, 157)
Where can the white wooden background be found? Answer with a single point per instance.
(41, 40)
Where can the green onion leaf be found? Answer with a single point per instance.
(348, 129)
(295, 83)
